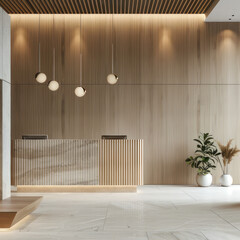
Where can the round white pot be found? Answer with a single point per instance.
(226, 180)
(204, 180)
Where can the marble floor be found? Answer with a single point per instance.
(153, 213)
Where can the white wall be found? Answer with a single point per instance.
(5, 104)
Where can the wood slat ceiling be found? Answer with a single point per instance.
(106, 6)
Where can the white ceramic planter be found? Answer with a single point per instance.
(226, 180)
(204, 180)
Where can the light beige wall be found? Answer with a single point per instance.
(5, 105)
(178, 76)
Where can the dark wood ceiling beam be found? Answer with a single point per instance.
(49, 6)
(144, 6)
(156, 6)
(47, 10)
(174, 7)
(187, 6)
(163, 9)
(6, 7)
(148, 7)
(140, 6)
(125, 6)
(179, 6)
(32, 6)
(169, 6)
(195, 7)
(41, 7)
(133, 6)
(91, 10)
(192, 6)
(58, 7)
(80, 6)
(208, 4)
(128, 7)
(106, 6)
(53, 3)
(136, 8)
(85, 6)
(113, 7)
(120, 8)
(27, 6)
(97, 6)
(93, 6)
(151, 10)
(65, 6)
(183, 7)
(14, 7)
(21, 7)
(200, 3)
(117, 6)
(77, 6)
(73, 6)
(160, 6)
(69, 7)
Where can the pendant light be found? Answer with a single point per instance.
(40, 76)
(80, 91)
(112, 78)
(53, 85)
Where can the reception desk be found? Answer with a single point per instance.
(77, 162)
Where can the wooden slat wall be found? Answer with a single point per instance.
(55, 162)
(106, 6)
(178, 76)
(121, 162)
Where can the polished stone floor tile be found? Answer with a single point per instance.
(154, 212)
(184, 235)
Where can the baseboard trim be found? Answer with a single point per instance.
(76, 188)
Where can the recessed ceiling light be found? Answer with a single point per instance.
(230, 19)
(233, 15)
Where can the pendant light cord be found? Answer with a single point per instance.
(54, 67)
(39, 47)
(112, 46)
(80, 68)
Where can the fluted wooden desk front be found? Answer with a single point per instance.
(77, 162)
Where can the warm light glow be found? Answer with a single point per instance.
(53, 85)
(112, 78)
(40, 77)
(80, 91)
(18, 225)
(227, 47)
(165, 44)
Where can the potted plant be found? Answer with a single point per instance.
(228, 153)
(205, 159)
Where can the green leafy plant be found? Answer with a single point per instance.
(206, 154)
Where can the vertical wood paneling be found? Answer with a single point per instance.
(120, 162)
(178, 76)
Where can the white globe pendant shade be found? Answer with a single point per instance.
(80, 91)
(53, 85)
(40, 77)
(112, 78)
